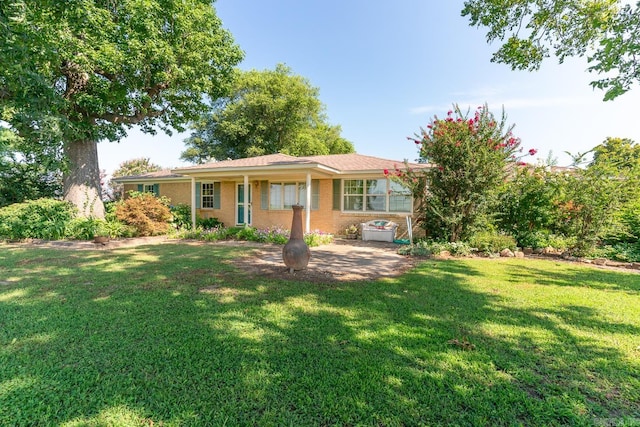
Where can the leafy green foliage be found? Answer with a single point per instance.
(594, 195)
(27, 174)
(266, 112)
(148, 214)
(469, 158)
(275, 235)
(492, 242)
(36, 219)
(528, 203)
(602, 30)
(430, 247)
(630, 218)
(181, 216)
(209, 223)
(81, 72)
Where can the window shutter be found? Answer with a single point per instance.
(264, 195)
(140, 188)
(216, 195)
(156, 190)
(315, 194)
(336, 194)
(198, 197)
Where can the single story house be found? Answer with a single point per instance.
(340, 189)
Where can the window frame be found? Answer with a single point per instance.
(210, 195)
(363, 193)
(300, 188)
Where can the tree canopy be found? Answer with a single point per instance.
(77, 73)
(266, 112)
(27, 174)
(604, 31)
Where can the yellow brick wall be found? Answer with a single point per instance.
(176, 192)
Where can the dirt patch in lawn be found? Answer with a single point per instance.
(342, 261)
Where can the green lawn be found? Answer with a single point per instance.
(129, 337)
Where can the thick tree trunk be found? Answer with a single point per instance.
(82, 179)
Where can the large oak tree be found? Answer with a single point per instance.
(266, 112)
(605, 31)
(80, 72)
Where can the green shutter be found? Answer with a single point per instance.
(216, 195)
(156, 190)
(140, 188)
(336, 194)
(264, 195)
(198, 197)
(315, 194)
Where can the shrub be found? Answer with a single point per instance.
(247, 233)
(208, 223)
(631, 220)
(491, 242)
(146, 213)
(36, 219)
(85, 228)
(181, 216)
(418, 249)
(430, 247)
(317, 238)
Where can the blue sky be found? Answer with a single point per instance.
(385, 68)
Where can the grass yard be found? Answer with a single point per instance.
(173, 335)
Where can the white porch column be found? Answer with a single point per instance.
(193, 203)
(246, 199)
(307, 225)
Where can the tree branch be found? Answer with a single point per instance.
(141, 113)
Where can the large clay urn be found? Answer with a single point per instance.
(296, 253)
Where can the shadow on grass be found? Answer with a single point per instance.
(173, 335)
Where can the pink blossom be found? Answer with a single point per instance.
(532, 152)
(386, 172)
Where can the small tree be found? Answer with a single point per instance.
(470, 158)
(598, 194)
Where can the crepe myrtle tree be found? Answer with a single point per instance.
(470, 157)
(80, 72)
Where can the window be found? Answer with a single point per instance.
(400, 197)
(150, 188)
(283, 195)
(208, 195)
(375, 195)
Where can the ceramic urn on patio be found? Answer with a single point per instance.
(296, 253)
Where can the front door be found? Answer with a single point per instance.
(240, 219)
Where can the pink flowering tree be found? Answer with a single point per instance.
(471, 155)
